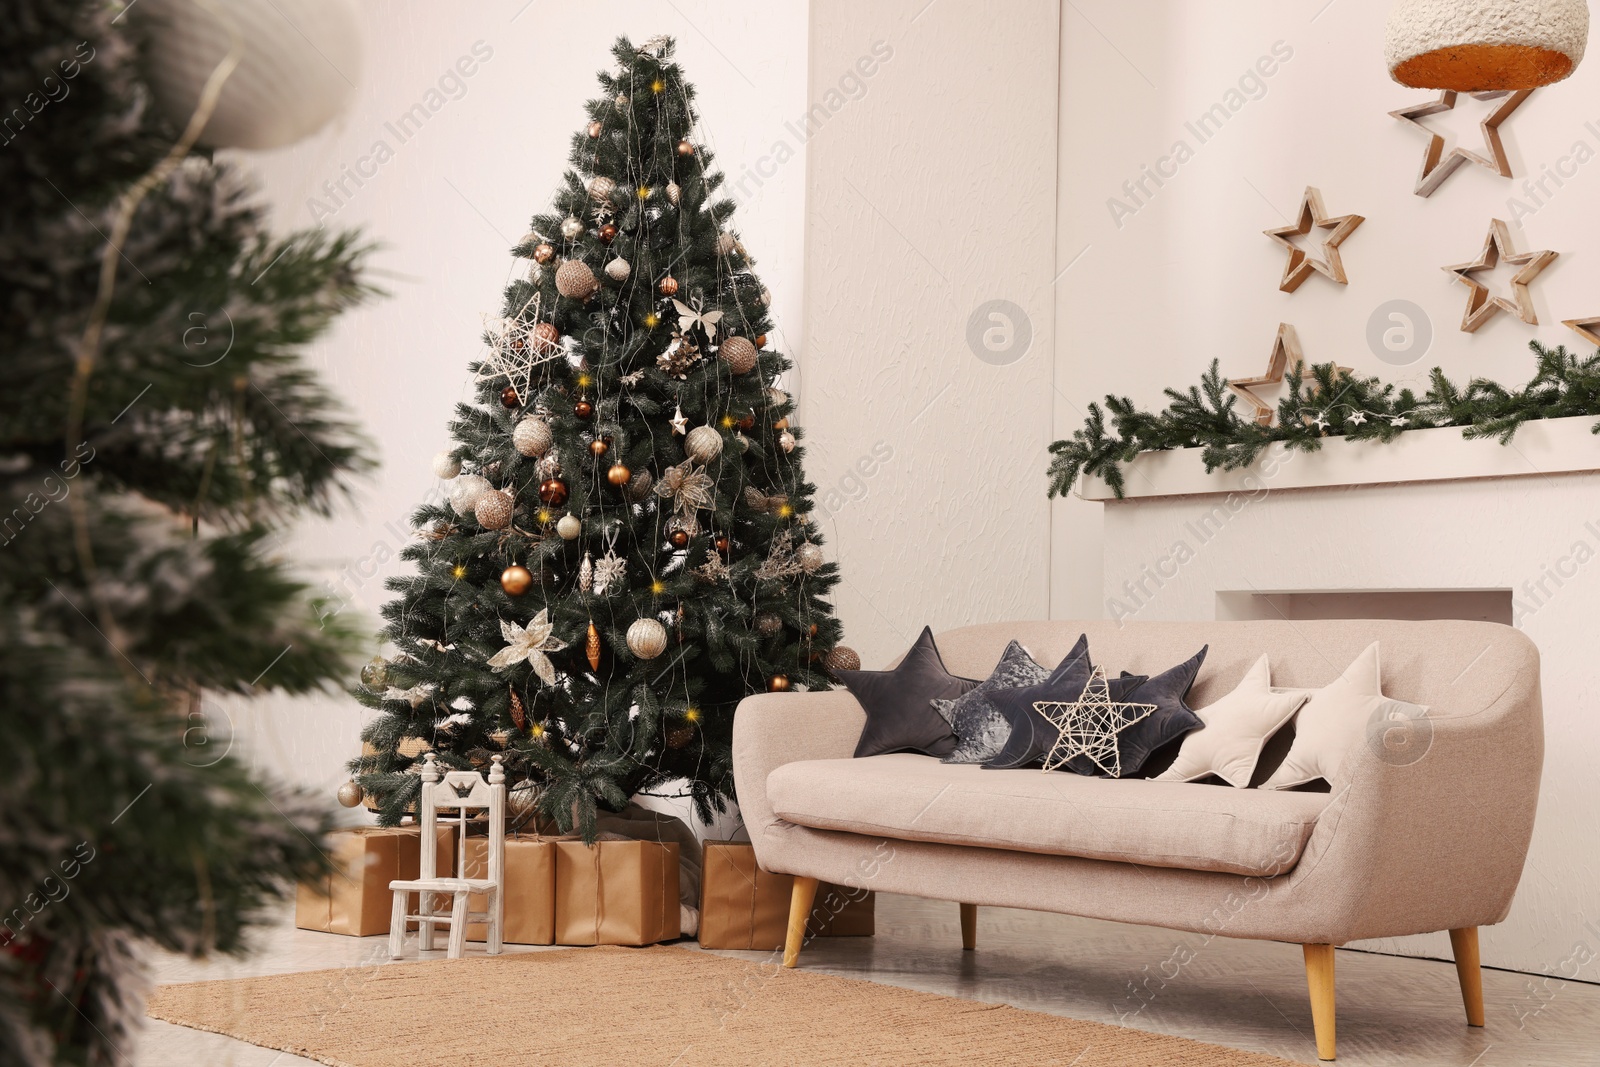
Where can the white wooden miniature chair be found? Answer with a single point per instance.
(461, 791)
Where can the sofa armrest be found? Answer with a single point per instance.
(771, 729)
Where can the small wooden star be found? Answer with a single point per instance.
(1313, 215)
(1588, 329)
(1481, 306)
(1089, 725)
(1285, 358)
(1436, 166)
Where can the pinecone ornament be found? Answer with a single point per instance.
(679, 357)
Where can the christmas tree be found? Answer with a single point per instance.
(627, 549)
(156, 425)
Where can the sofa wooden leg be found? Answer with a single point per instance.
(805, 895)
(969, 926)
(1464, 942)
(1319, 978)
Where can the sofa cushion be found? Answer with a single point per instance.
(1162, 824)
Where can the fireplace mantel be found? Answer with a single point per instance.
(1541, 447)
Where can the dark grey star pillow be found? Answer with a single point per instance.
(980, 729)
(899, 703)
(1170, 721)
(1031, 734)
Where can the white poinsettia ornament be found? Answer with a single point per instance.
(529, 643)
(413, 696)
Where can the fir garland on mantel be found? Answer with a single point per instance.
(1320, 404)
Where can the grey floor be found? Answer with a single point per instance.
(1245, 994)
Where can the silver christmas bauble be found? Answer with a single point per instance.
(446, 466)
(777, 397)
(601, 187)
(647, 638)
(571, 227)
(532, 437)
(493, 510)
(618, 270)
(703, 444)
(465, 492)
(350, 794)
(569, 527)
(786, 441)
(809, 556)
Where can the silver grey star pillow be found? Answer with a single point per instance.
(981, 730)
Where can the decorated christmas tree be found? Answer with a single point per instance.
(627, 549)
(157, 424)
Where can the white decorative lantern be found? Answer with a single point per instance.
(1482, 45)
(301, 61)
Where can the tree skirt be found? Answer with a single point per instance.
(651, 1007)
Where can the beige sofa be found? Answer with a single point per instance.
(1423, 830)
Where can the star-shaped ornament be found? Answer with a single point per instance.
(1313, 215)
(515, 352)
(529, 643)
(1285, 358)
(1481, 305)
(1436, 166)
(1089, 725)
(680, 424)
(1588, 329)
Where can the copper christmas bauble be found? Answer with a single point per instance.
(553, 491)
(726, 243)
(574, 279)
(591, 646)
(781, 424)
(594, 128)
(668, 286)
(678, 538)
(544, 252)
(723, 544)
(545, 337)
(842, 659)
(811, 631)
(509, 397)
(748, 422)
(350, 794)
(778, 683)
(618, 475)
(639, 486)
(569, 527)
(516, 580)
(532, 437)
(583, 409)
(761, 340)
(739, 354)
(685, 148)
(608, 233)
(647, 638)
(599, 447)
(493, 510)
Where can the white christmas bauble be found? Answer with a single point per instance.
(571, 227)
(300, 64)
(446, 466)
(786, 441)
(777, 397)
(532, 437)
(703, 444)
(647, 638)
(465, 492)
(618, 270)
(810, 557)
(569, 527)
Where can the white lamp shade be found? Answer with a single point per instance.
(1480, 45)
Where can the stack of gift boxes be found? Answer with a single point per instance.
(560, 891)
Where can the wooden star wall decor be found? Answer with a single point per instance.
(1436, 166)
(1313, 216)
(1285, 358)
(1588, 329)
(1481, 305)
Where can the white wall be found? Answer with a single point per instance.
(931, 191)
(1189, 276)
(448, 205)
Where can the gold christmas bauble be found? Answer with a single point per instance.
(842, 659)
(685, 148)
(574, 279)
(571, 227)
(809, 556)
(516, 580)
(591, 646)
(601, 187)
(778, 683)
(532, 437)
(647, 638)
(569, 527)
(739, 354)
(618, 475)
(703, 444)
(544, 252)
(350, 794)
(493, 510)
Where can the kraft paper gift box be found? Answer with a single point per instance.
(745, 907)
(356, 900)
(530, 888)
(616, 892)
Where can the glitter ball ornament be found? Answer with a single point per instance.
(532, 437)
(674, 192)
(465, 492)
(446, 466)
(493, 510)
(569, 527)
(516, 580)
(509, 398)
(618, 475)
(685, 148)
(350, 794)
(668, 286)
(618, 270)
(768, 624)
(809, 556)
(571, 227)
(553, 491)
(546, 338)
(703, 444)
(842, 659)
(601, 187)
(574, 279)
(778, 683)
(739, 354)
(544, 252)
(647, 638)
(786, 441)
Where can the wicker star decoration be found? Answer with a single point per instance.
(514, 352)
(1313, 216)
(1089, 725)
(529, 643)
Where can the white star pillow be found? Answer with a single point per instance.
(1333, 720)
(1236, 728)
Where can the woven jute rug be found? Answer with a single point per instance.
(650, 1007)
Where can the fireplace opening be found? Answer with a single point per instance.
(1484, 605)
